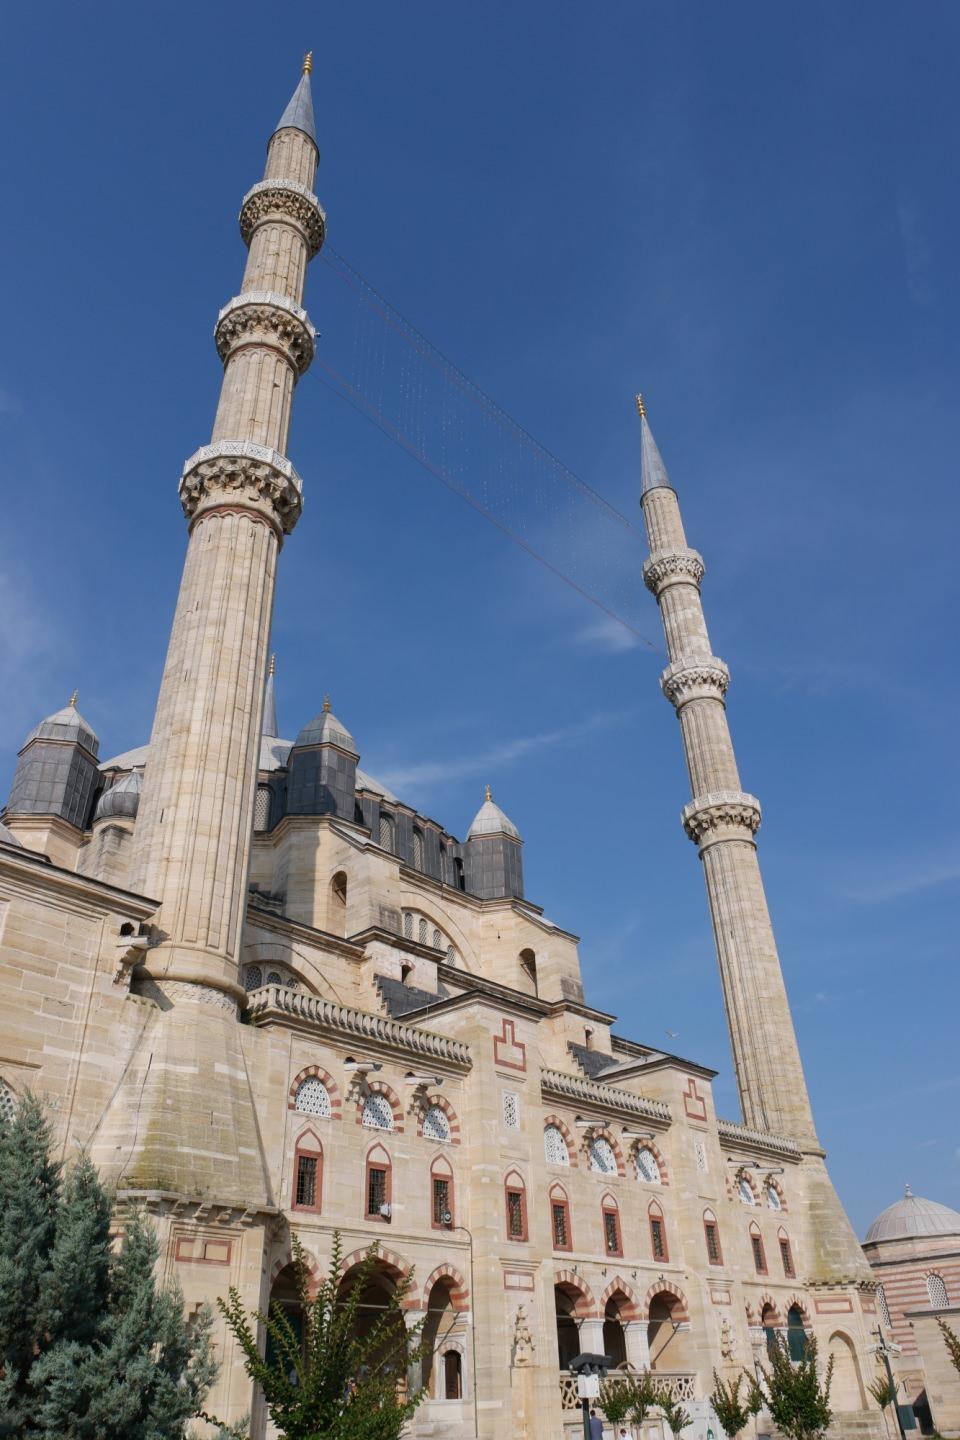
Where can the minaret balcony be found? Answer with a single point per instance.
(237, 474)
(672, 567)
(284, 202)
(721, 815)
(701, 679)
(263, 318)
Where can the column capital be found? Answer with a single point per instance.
(702, 678)
(285, 202)
(672, 567)
(721, 815)
(236, 474)
(261, 317)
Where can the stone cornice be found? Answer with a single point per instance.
(201, 1210)
(321, 939)
(29, 870)
(288, 202)
(237, 474)
(556, 1085)
(743, 1138)
(275, 1004)
(721, 815)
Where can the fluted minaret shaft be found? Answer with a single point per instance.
(723, 820)
(241, 496)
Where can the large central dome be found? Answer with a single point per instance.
(913, 1218)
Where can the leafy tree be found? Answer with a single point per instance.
(328, 1382)
(733, 1413)
(883, 1392)
(798, 1401)
(952, 1342)
(616, 1400)
(673, 1412)
(88, 1345)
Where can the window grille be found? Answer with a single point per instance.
(377, 1114)
(713, 1242)
(307, 1181)
(511, 1110)
(745, 1191)
(515, 1214)
(274, 977)
(561, 1234)
(555, 1146)
(313, 1098)
(408, 926)
(602, 1158)
(8, 1101)
(441, 1200)
(376, 1189)
(436, 1126)
(787, 1257)
(451, 955)
(611, 1232)
(647, 1167)
(417, 850)
(422, 932)
(261, 808)
(657, 1238)
(386, 833)
(437, 939)
(252, 977)
(700, 1150)
(773, 1198)
(884, 1307)
(937, 1291)
(759, 1259)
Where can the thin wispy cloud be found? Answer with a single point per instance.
(898, 882)
(429, 774)
(606, 636)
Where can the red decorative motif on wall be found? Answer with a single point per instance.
(508, 1051)
(694, 1104)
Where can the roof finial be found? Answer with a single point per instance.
(273, 665)
(641, 408)
(486, 793)
(73, 697)
(907, 1192)
(308, 63)
(326, 704)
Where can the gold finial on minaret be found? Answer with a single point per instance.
(486, 793)
(308, 63)
(641, 408)
(326, 704)
(73, 697)
(273, 665)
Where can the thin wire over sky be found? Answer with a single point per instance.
(376, 360)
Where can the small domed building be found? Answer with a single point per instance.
(914, 1249)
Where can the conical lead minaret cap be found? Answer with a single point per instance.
(653, 472)
(299, 112)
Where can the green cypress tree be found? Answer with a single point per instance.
(75, 1290)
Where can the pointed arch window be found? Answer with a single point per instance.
(937, 1291)
(417, 848)
(436, 1126)
(786, 1254)
(515, 1197)
(555, 1146)
(773, 1197)
(711, 1233)
(560, 1218)
(601, 1155)
(441, 1193)
(307, 1173)
(612, 1238)
(378, 1184)
(759, 1254)
(646, 1166)
(313, 1098)
(745, 1191)
(658, 1233)
(386, 832)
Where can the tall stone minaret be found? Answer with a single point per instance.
(241, 497)
(722, 820)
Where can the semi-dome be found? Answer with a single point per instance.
(913, 1218)
(68, 725)
(490, 820)
(122, 799)
(326, 729)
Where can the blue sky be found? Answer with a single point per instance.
(748, 211)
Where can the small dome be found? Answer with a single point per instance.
(123, 797)
(490, 820)
(325, 729)
(913, 1218)
(67, 724)
(7, 837)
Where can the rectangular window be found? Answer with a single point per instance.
(611, 1232)
(306, 1182)
(515, 1214)
(376, 1189)
(561, 1230)
(713, 1242)
(657, 1239)
(441, 1201)
(787, 1258)
(759, 1259)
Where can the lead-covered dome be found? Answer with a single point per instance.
(913, 1218)
(122, 799)
(490, 820)
(68, 725)
(326, 729)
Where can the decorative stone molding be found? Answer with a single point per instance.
(721, 815)
(731, 1133)
(290, 203)
(556, 1085)
(275, 1003)
(262, 317)
(687, 680)
(247, 476)
(672, 567)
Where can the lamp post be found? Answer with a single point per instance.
(885, 1353)
(473, 1332)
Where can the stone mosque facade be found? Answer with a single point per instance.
(273, 999)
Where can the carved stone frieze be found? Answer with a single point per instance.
(260, 316)
(672, 567)
(721, 815)
(239, 473)
(700, 679)
(287, 201)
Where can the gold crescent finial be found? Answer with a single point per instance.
(326, 704)
(641, 408)
(273, 665)
(486, 793)
(308, 63)
(73, 697)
